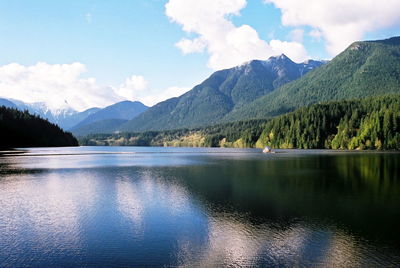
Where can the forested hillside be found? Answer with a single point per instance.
(371, 123)
(124, 110)
(223, 91)
(238, 134)
(21, 129)
(370, 68)
(102, 126)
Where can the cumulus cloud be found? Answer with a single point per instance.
(339, 22)
(188, 46)
(137, 88)
(226, 44)
(293, 50)
(133, 86)
(62, 86)
(54, 84)
(152, 97)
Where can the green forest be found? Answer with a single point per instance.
(370, 123)
(237, 134)
(364, 69)
(21, 129)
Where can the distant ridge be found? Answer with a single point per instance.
(106, 120)
(102, 126)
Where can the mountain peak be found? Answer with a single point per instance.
(281, 57)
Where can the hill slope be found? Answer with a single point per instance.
(370, 123)
(7, 103)
(74, 119)
(364, 69)
(124, 110)
(222, 92)
(65, 117)
(102, 126)
(21, 129)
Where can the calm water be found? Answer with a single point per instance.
(127, 206)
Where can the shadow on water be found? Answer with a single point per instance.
(351, 190)
(355, 195)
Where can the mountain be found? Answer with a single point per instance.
(7, 103)
(65, 117)
(369, 123)
(221, 93)
(21, 129)
(124, 110)
(102, 126)
(74, 119)
(68, 118)
(368, 68)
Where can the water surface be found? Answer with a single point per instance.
(131, 206)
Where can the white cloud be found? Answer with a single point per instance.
(133, 86)
(54, 84)
(226, 44)
(315, 34)
(62, 86)
(294, 50)
(296, 35)
(152, 97)
(340, 22)
(137, 88)
(188, 46)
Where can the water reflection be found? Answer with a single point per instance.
(204, 210)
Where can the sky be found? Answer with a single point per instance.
(93, 53)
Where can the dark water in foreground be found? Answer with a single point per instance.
(127, 206)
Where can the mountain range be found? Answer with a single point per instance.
(108, 119)
(124, 110)
(223, 92)
(369, 68)
(21, 129)
(254, 90)
(264, 89)
(72, 120)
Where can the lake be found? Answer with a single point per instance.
(198, 207)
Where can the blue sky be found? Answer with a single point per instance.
(131, 47)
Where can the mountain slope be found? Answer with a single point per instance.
(102, 126)
(42, 110)
(7, 103)
(73, 119)
(370, 123)
(65, 117)
(21, 129)
(368, 68)
(222, 92)
(124, 110)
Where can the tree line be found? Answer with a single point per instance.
(21, 129)
(370, 123)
